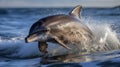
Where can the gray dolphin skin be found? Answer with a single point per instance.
(61, 29)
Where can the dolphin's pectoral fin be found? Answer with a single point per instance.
(60, 42)
(76, 11)
(43, 46)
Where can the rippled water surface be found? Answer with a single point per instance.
(15, 24)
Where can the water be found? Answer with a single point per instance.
(15, 24)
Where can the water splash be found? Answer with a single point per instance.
(16, 48)
(105, 38)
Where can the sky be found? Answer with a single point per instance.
(59, 3)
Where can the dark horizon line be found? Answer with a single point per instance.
(62, 7)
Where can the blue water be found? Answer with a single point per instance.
(15, 24)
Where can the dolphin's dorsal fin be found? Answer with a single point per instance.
(76, 11)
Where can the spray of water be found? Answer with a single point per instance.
(105, 38)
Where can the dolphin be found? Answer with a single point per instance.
(61, 29)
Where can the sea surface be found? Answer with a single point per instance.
(16, 22)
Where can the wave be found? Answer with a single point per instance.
(101, 12)
(18, 49)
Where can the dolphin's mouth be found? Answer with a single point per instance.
(31, 38)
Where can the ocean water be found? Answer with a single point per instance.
(16, 22)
